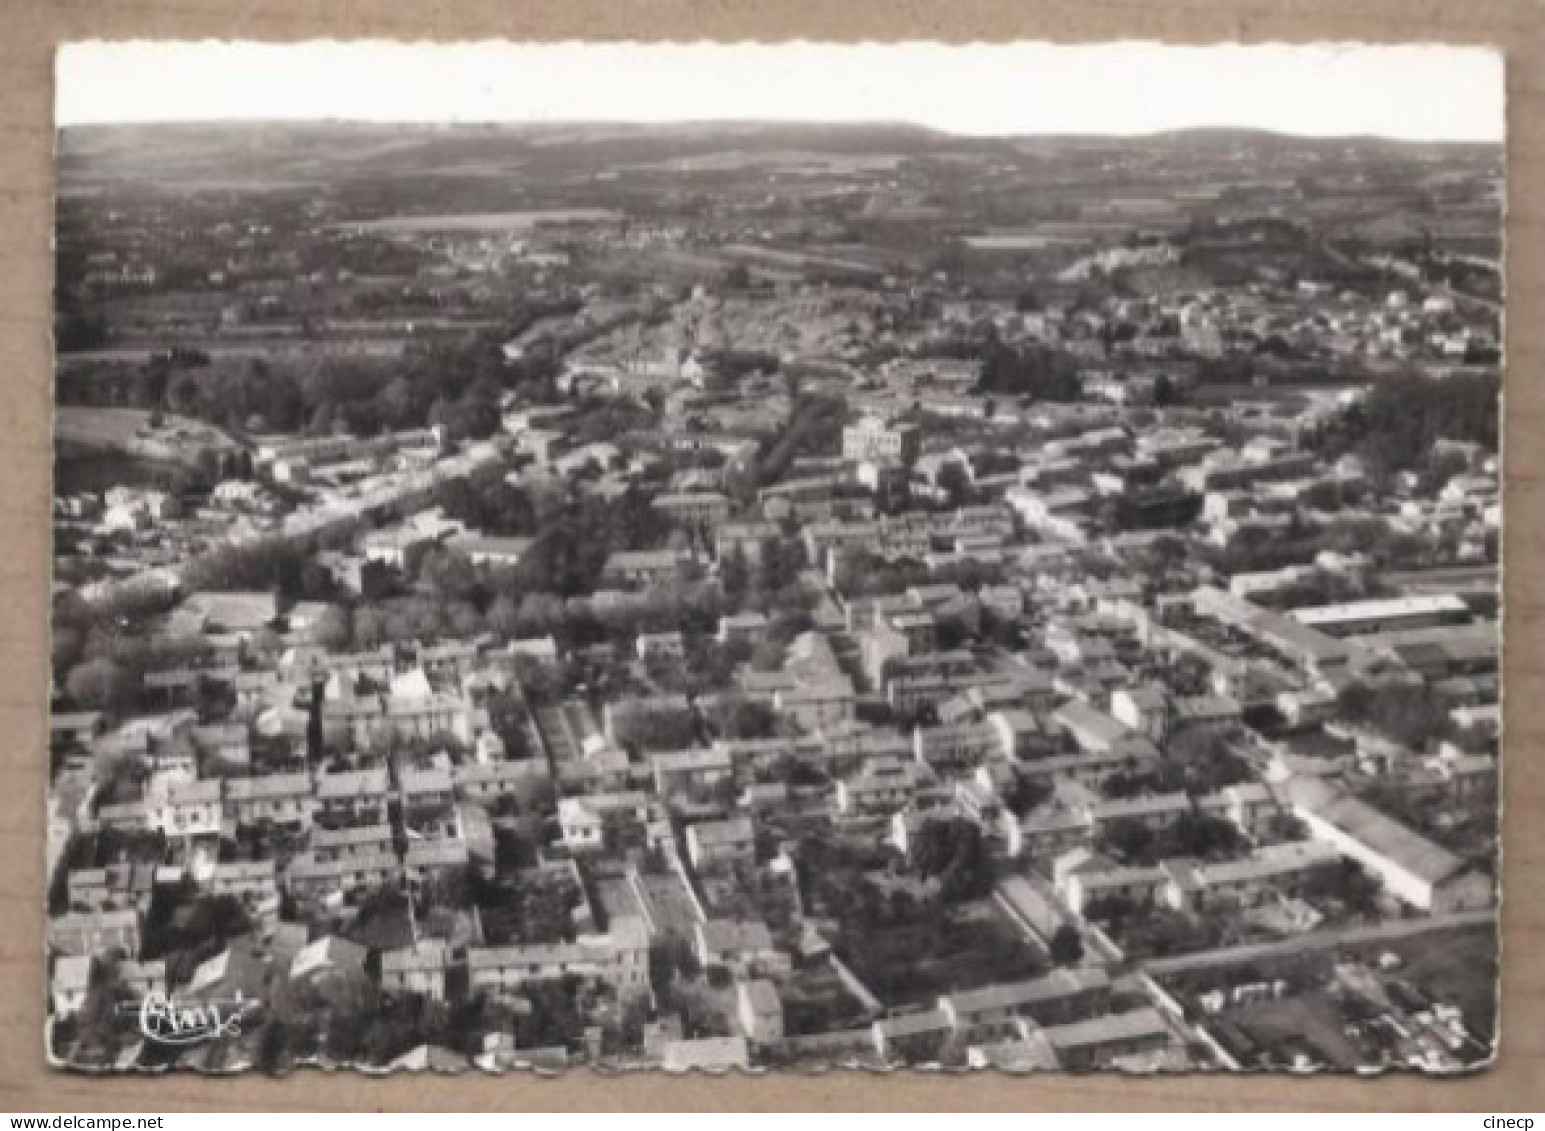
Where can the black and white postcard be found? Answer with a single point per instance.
(775, 557)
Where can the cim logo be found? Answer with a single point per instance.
(164, 1020)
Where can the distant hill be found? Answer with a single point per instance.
(279, 153)
(1212, 138)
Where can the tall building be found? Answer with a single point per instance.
(873, 439)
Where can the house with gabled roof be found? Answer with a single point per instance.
(1054, 998)
(712, 844)
(416, 969)
(283, 798)
(354, 796)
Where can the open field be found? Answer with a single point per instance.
(176, 439)
(1016, 241)
(485, 221)
(918, 961)
(1456, 967)
(1313, 1020)
(102, 471)
(804, 160)
(796, 259)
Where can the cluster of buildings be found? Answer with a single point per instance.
(983, 711)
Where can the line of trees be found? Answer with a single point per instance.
(453, 384)
(1395, 427)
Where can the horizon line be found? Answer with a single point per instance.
(771, 123)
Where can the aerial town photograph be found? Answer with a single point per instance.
(773, 595)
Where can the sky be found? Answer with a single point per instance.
(1411, 92)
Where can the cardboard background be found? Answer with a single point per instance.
(28, 32)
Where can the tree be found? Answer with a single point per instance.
(314, 724)
(955, 483)
(274, 1053)
(369, 628)
(448, 573)
(734, 574)
(316, 581)
(503, 616)
(465, 621)
(1401, 419)
(1067, 946)
(1347, 882)
(1023, 794)
(334, 629)
(1027, 372)
(69, 644)
(508, 719)
(1205, 836)
(1407, 715)
(670, 959)
(1127, 839)
(101, 684)
(377, 581)
(540, 613)
(778, 565)
(740, 717)
(952, 850)
(1326, 495)
(1113, 909)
